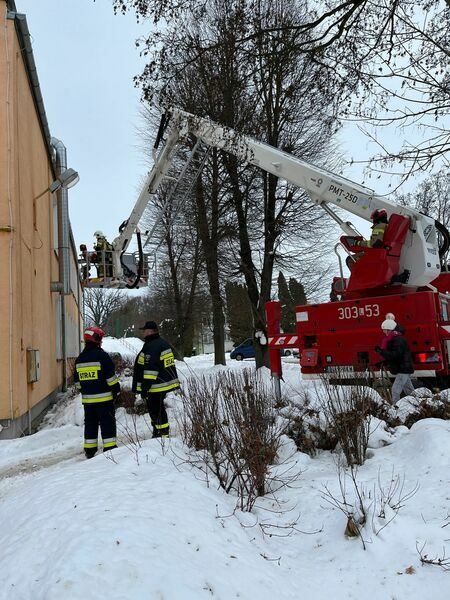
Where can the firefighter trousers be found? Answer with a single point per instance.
(158, 413)
(99, 414)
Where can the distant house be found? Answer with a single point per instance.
(40, 295)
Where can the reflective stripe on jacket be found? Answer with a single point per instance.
(95, 375)
(376, 238)
(154, 367)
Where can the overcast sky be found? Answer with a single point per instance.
(86, 59)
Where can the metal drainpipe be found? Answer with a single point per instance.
(63, 248)
(80, 299)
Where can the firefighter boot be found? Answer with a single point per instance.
(161, 431)
(90, 452)
(106, 448)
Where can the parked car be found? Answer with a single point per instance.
(247, 350)
(244, 350)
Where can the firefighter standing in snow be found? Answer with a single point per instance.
(396, 353)
(96, 378)
(154, 375)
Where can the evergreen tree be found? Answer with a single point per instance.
(284, 296)
(297, 292)
(239, 312)
(290, 296)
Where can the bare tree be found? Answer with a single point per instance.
(288, 108)
(270, 90)
(390, 61)
(431, 197)
(100, 304)
(177, 244)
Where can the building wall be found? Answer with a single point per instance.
(30, 313)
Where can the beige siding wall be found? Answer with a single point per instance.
(28, 261)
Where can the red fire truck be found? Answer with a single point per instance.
(406, 276)
(337, 339)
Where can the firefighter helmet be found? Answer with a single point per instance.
(99, 233)
(94, 334)
(379, 213)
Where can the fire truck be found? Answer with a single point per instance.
(406, 276)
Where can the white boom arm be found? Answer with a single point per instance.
(420, 254)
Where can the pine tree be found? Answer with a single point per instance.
(239, 312)
(289, 297)
(297, 292)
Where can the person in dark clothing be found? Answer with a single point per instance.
(95, 377)
(398, 327)
(397, 356)
(88, 257)
(154, 375)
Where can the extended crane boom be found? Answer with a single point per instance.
(420, 256)
(420, 252)
(402, 275)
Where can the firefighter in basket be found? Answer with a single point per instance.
(379, 223)
(104, 255)
(88, 257)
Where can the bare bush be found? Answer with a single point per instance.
(130, 436)
(307, 429)
(439, 561)
(377, 504)
(347, 410)
(127, 399)
(436, 407)
(229, 422)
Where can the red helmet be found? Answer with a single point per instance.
(379, 213)
(94, 334)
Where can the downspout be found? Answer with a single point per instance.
(63, 249)
(9, 227)
(80, 301)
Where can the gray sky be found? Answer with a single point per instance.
(86, 60)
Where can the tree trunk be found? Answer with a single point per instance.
(209, 239)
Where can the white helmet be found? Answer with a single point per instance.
(99, 233)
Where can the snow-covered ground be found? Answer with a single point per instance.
(143, 525)
(127, 347)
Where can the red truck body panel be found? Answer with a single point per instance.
(343, 335)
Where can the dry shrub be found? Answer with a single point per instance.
(362, 504)
(229, 420)
(437, 407)
(200, 422)
(248, 405)
(347, 410)
(308, 434)
(127, 399)
(384, 412)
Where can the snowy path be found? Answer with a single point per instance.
(29, 465)
(153, 528)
